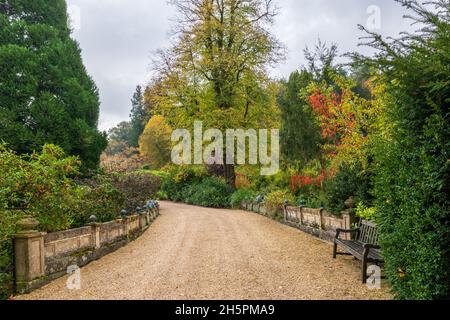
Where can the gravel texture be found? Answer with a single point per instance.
(198, 253)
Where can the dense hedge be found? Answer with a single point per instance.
(412, 181)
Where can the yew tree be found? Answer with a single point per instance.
(46, 94)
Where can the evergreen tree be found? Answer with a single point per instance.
(46, 95)
(300, 135)
(139, 117)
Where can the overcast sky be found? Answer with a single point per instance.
(118, 38)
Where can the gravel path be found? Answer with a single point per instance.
(197, 253)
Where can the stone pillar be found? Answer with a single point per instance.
(96, 234)
(147, 215)
(348, 217)
(143, 221)
(126, 222)
(321, 224)
(29, 255)
(301, 215)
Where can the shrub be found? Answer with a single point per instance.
(178, 178)
(275, 200)
(98, 198)
(241, 195)
(348, 182)
(210, 192)
(41, 185)
(136, 187)
(366, 213)
(8, 219)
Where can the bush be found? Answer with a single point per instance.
(241, 195)
(210, 192)
(192, 185)
(178, 178)
(366, 213)
(348, 182)
(97, 197)
(275, 200)
(41, 185)
(8, 221)
(136, 187)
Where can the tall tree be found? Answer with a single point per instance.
(139, 116)
(216, 71)
(300, 134)
(46, 95)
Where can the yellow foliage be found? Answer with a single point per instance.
(155, 143)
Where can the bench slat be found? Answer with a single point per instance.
(356, 248)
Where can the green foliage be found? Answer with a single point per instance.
(119, 138)
(46, 95)
(412, 160)
(366, 213)
(192, 185)
(210, 192)
(275, 200)
(41, 185)
(348, 182)
(241, 195)
(300, 135)
(139, 116)
(8, 220)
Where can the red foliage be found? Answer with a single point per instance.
(334, 119)
(300, 181)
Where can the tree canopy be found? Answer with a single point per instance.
(46, 95)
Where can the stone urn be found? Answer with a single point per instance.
(27, 224)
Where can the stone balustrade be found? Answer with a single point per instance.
(41, 257)
(317, 222)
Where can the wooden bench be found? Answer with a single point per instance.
(364, 247)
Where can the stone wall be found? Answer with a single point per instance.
(41, 257)
(317, 222)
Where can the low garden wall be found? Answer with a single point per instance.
(41, 257)
(316, 222)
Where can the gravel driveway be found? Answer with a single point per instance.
(198, 253)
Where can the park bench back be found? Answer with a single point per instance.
(368, 232)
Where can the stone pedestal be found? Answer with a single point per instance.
(29, 255)
(348, 217)
(96, 234)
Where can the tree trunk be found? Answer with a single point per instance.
(230, 175)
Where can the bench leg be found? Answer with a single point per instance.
(334, 250)
(364, 270)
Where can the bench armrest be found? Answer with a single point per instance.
(368, 246)
(339, 231)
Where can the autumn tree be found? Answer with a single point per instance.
(216, 71)
(155, 143)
